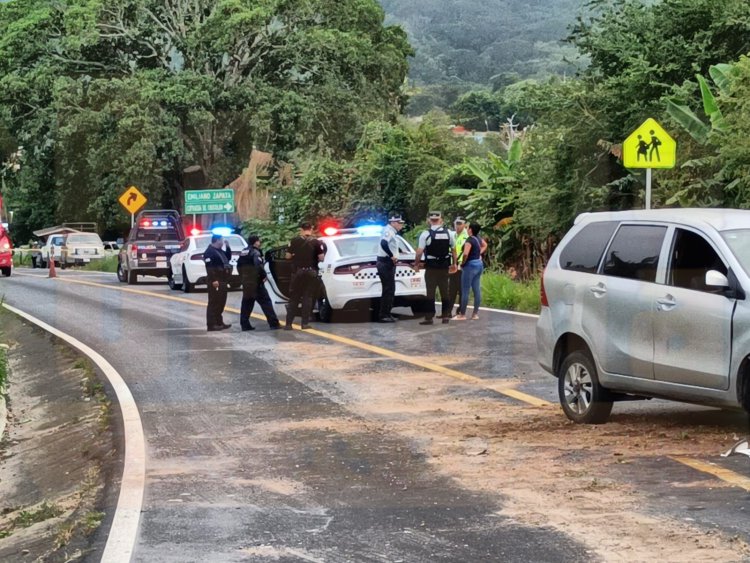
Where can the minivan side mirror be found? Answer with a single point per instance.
(716, 279)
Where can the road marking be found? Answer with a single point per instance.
(124, 529)
(504, 389)
(726, 475)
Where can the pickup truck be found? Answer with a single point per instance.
(155, 236)
(52, 248)
(80, 249)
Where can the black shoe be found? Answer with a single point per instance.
(287, 327)
(274, 327)
(225, 326)
(305, 327)
(248, 327)
(446, 320)
(215, 328)
(387, 320)
(427, 322)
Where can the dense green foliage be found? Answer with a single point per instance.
(108, 94)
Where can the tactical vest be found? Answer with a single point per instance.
(438, 249)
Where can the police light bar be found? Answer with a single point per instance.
(370, 230)
(195, 231)
(223, 231)
(155, 224)
(330, 231)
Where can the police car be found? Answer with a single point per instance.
(348, 274)
(187, 266)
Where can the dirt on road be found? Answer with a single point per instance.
(545, 470)
(57, 451)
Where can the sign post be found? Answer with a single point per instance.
(132, 200)
(203, 202)
(649, 147)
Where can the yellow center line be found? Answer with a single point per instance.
(504, 389)
(726, 475)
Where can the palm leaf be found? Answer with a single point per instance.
(722, 75)
(710, 106)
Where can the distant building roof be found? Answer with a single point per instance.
(58, 230)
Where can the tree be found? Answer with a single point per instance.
(112, 93)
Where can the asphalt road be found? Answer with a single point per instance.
(239, 464)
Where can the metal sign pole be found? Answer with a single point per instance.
(648, 188)
(132, 220)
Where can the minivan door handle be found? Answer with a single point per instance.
(666, 303)
(599, 290)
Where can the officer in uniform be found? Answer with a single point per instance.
(461, 234)
(305, 251)
(388, 256)
(250, 267)
(217, 273)
(438, 245)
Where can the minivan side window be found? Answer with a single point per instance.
(692, 256)
(584, 251)
(634, 252)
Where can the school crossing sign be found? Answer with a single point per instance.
(649, 146)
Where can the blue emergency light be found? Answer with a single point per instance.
(223, 231)
(370, 230)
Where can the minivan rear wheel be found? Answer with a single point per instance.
(582, 398)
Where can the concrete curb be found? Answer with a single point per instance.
(3, 406)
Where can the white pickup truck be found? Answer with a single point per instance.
(71, 249)
(53, 248)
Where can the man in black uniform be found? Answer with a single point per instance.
(305, 252)
(250, 267)
(217, 272)
(438, 245)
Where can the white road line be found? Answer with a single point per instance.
(124, 530)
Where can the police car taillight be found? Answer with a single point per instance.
(353, 268)
(197, 256)
(542, 292)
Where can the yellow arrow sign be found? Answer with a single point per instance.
(132, 199)
(649, 146)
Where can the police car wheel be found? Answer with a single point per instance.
(187, 287)
(121, 273)
(325, 311)
(132, 278)
(174, 286)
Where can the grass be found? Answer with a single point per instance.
(501, 292)
(3, 367)
(94, 390)
(106, 264)
(45, 511)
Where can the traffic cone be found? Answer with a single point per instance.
(52, 272)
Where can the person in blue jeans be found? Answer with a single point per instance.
(471, 272)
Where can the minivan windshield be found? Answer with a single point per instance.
(739, 241)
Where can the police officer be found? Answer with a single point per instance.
(217, 272)
(438, 245)
(305, 252)
(454, 280)
(250, 267)
(388, 256)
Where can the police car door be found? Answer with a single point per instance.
(279, 271)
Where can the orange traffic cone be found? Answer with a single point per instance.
(52, 272)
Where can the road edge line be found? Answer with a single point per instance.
(124, 530)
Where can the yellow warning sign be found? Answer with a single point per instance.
(132, 199)
(649, 146)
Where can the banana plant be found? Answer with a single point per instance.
(722, 76)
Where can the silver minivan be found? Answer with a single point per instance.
(641, 304)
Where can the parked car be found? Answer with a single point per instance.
(111, 248)
(348, 274)
(80, 248)
(648, 304)
(188, 267)
(156, 235)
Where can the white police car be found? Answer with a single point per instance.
(348, 273)
(188, 268)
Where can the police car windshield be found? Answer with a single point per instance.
(362, 246)
(157, 234)
(235, 242)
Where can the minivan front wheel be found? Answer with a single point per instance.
(582, 398)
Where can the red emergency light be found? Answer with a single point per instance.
(330, 231)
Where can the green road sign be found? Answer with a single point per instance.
(201, 202)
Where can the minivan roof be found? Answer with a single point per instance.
(719, 219)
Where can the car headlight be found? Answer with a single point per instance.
(6, 246)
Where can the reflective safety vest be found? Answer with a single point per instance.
(461, 239)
